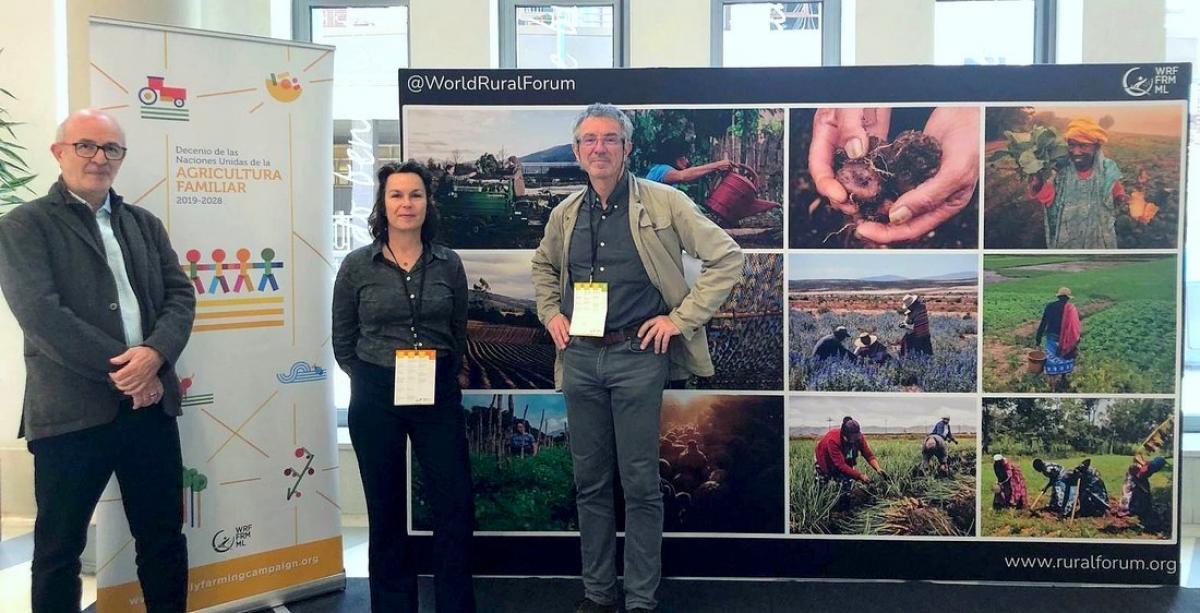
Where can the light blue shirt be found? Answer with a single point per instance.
(131, 314)
(658, 171)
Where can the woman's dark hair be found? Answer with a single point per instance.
(378, 222)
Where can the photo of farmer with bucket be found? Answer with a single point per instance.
(1083, 324)
(729, 161)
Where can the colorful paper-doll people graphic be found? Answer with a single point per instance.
(218, 280)
(214, 278)
(268, 265)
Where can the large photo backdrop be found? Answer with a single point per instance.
(229, 144)
(986, 278)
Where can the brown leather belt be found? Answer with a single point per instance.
(612, 338)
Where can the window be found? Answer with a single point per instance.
(993, 31)
(747, 33)
(1182, 22)
(581, 34)
(372, 42)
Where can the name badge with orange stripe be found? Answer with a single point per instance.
(416, 375)
(591, 309)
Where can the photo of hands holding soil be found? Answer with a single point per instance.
(1078, 468)
(865, 177)
(882, 466)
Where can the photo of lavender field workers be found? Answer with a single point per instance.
(889, 321)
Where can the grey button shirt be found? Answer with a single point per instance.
(632, 298)
(371, 313)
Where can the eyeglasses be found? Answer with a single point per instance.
(611, 141)
(112, 151)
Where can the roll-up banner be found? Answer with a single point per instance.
(230, 142)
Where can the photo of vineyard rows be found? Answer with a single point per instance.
(864, 292)
(507, 347)
(913, 498)
(1127, 308)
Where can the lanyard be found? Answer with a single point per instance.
(590, 199)
(414, 300)
(594, 232)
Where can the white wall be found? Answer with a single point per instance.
(252, 17)
(1124, 30)
(450, 33)
(893, 32)
(27, 69)
(670, 33)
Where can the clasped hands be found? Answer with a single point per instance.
(137, 375)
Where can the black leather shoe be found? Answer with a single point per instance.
(587, 605)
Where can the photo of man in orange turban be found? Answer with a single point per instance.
(1080, 206)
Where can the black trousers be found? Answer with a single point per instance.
(379, 431)
(69, 474)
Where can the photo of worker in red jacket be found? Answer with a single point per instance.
(869, 472)
(838, 452)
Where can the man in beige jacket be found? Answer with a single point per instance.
(614, 250)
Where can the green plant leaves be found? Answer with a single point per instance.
(1036, 152)
(1029, 162)
(14, 171)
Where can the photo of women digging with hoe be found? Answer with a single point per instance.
(1096, 468)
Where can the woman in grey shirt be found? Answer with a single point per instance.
(405, 292)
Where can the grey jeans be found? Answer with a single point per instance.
(614, 400)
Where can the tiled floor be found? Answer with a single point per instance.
(17, 547)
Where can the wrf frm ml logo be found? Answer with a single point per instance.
(1140, 81)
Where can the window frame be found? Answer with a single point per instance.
(302, 31)
(831, 30)
(1045, 29)
(508, 27)
(302, 16)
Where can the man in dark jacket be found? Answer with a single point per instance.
(830, 345)
(105, 311)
